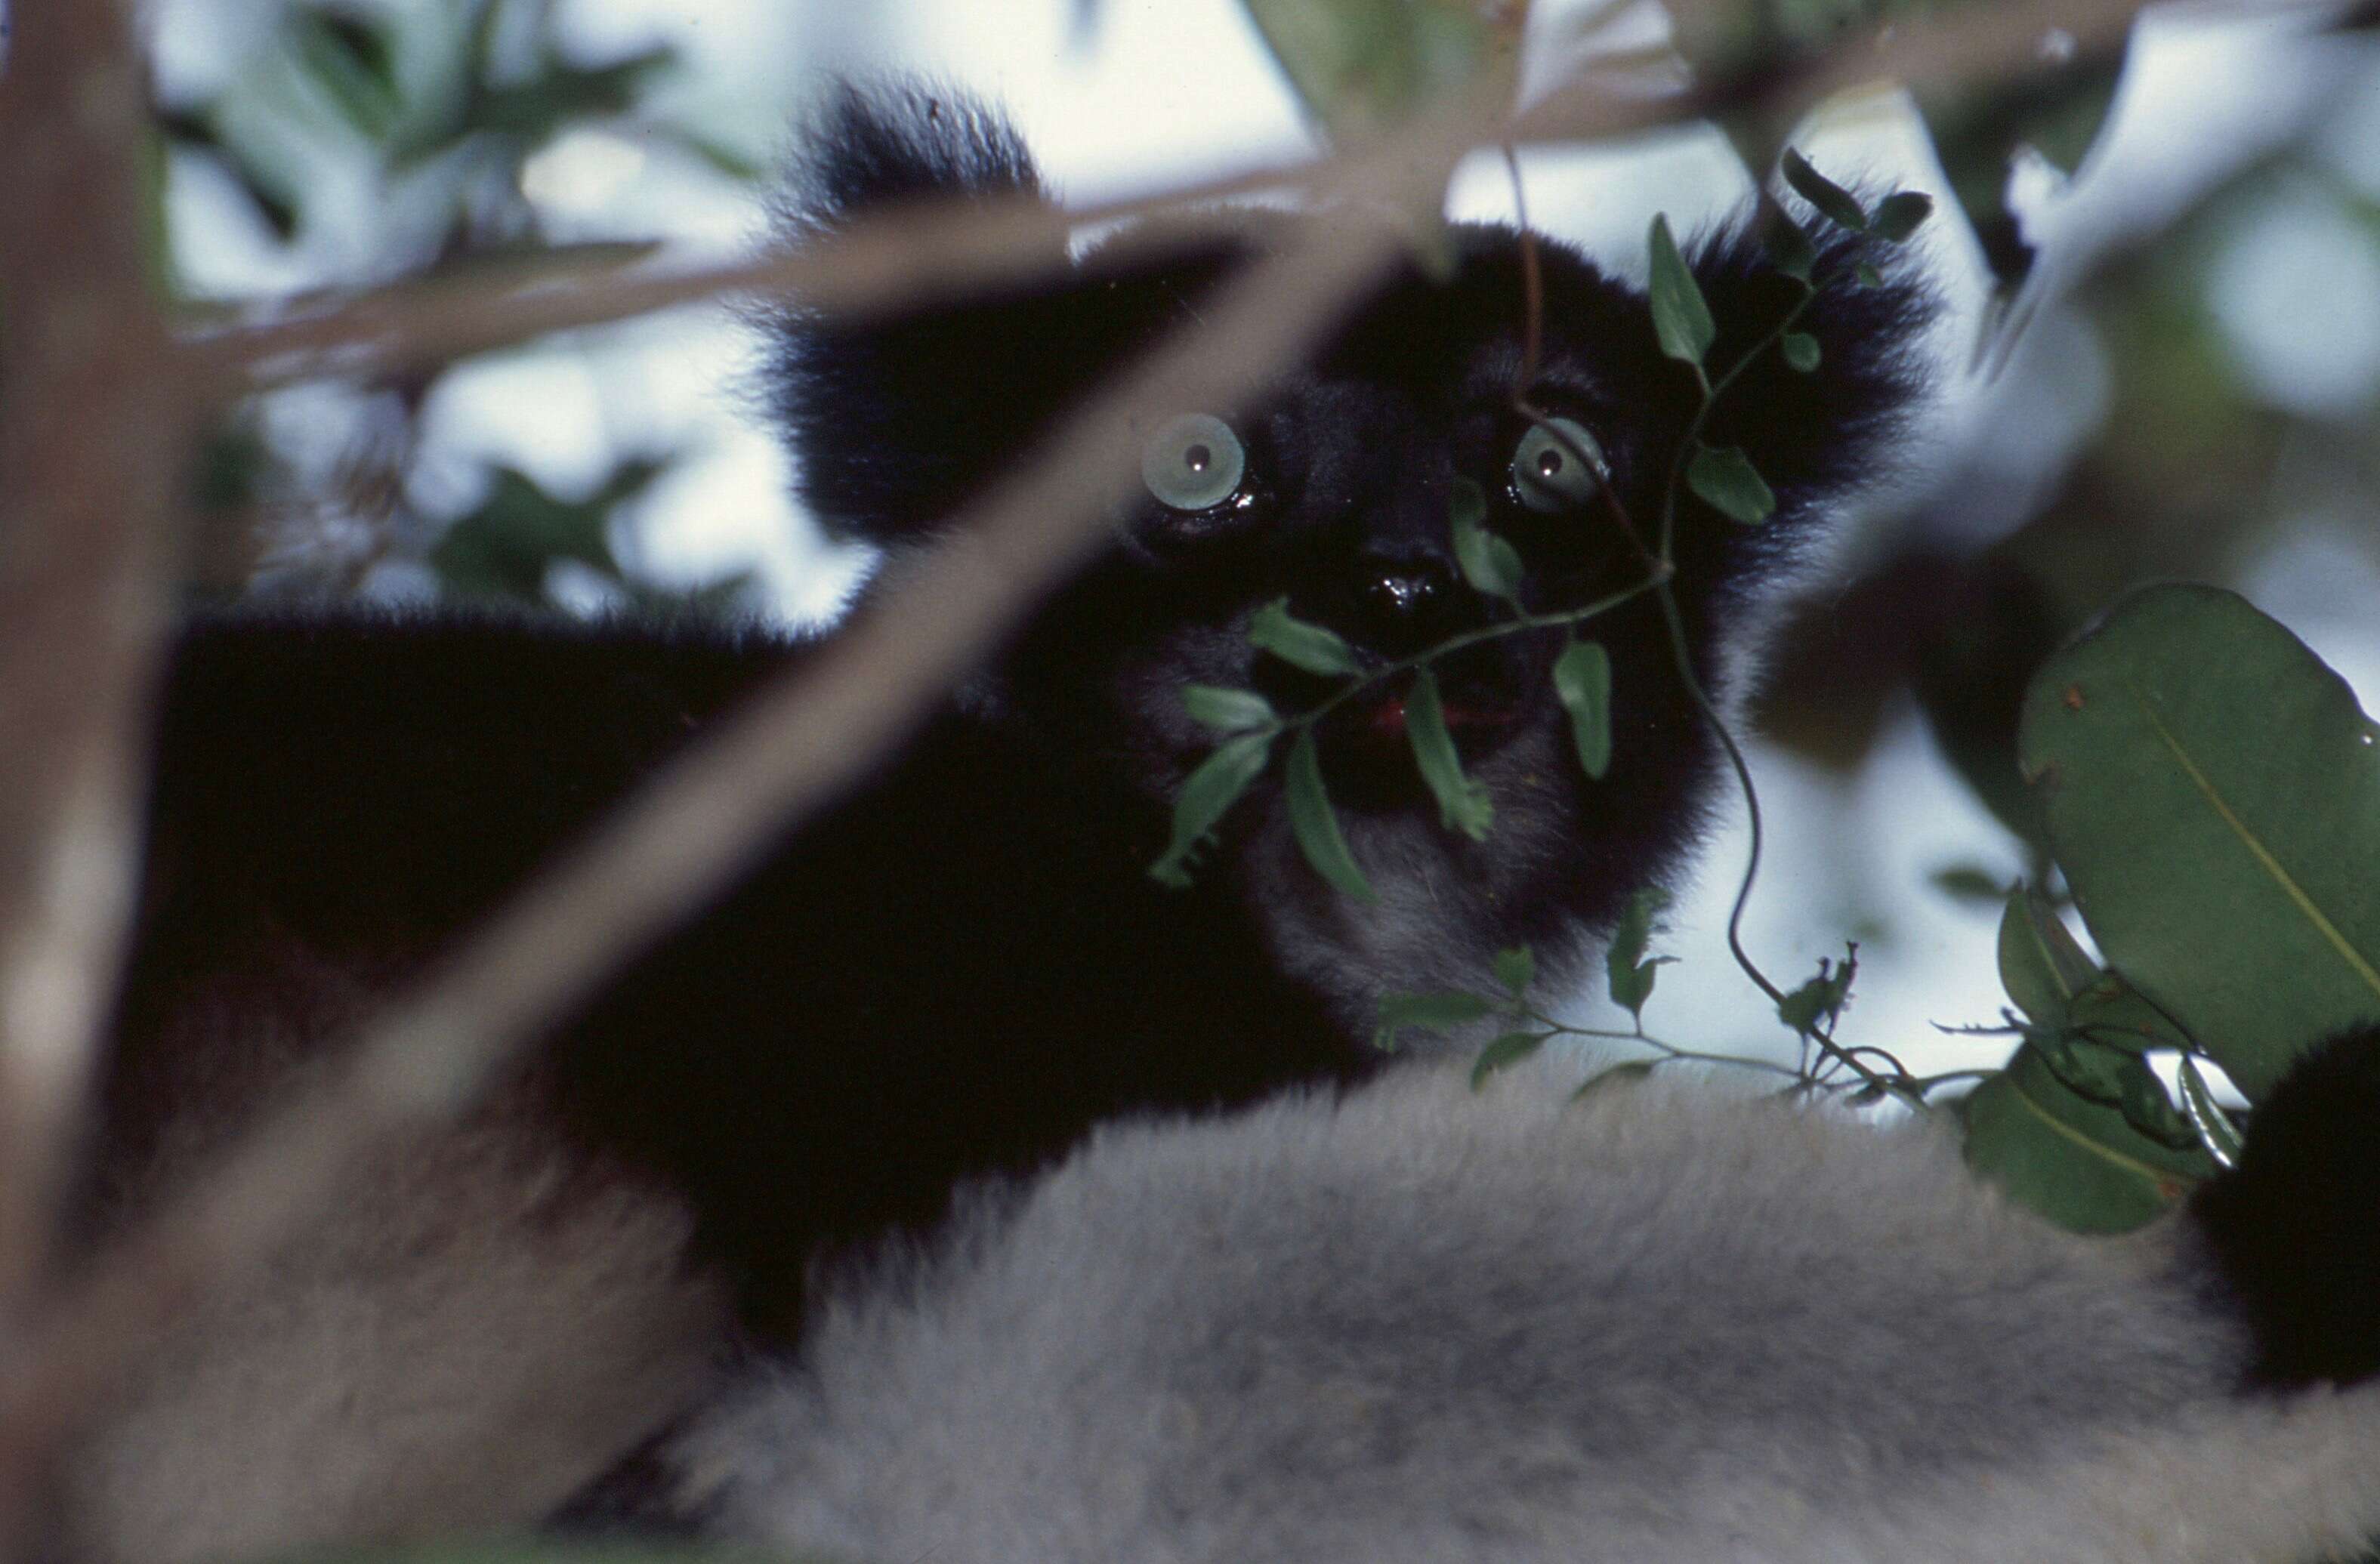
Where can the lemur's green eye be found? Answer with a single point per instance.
(1193, 462)
(1547, 472)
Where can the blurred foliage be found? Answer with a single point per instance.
(438, 110)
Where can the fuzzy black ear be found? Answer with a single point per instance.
(2295, 1227)
(1817, 434)
(873, 144)
(895, 420)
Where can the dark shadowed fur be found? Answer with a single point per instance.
(962, 969)
(966, 966)
(2296, 1226)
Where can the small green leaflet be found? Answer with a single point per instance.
(1723, 476)
(1295, 642)
(1583, 681)
(1516, 969)
(1211, 790)
(1822, 997)
(1801, 351)
(1228, 711)
(1631, 975)
(1833, 201)
(1788, 248)
(1431, 1012)
(1680, 316)
(1631, 1072)
(1316, 825)
(1504, 1053)
(1491, 563)
(1898, 216)
(353, 63)
(1463, 805)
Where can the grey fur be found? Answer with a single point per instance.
(1424, 1325)
(472, 1336)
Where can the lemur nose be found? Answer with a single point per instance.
(1405, 603)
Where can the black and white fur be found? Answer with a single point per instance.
(1497, 1325)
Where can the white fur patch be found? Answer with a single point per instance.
(1421, 1325)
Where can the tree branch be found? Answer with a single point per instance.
(91, 414)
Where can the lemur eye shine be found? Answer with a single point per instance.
(1193, 462)
(1547, 473)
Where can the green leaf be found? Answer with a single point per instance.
(2213, 794)
(505, 546)
(1228, 711)
(2110, 1011)
(1629, 972)
(1681, 319)
(1800, 350)
(1867, 276)
(1516, 969)
(1901, 214)
(1832, 202)
(1789, 247)
(1969, 882)
(1316, 827)
(1361, 66)
(1583, 681)
(2081, 1164)
(2216, 1131)
(1295, 642)
(1431, 1012)
(1463, 804)
(1491, 563)
(2042, 965)
(1504, 1053)
(352, 62)
(1821, 1000)
(1723, 476)
(1209, 791)
(1619, 1074)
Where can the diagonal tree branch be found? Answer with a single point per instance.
(92, 413)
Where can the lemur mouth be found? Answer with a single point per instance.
(1386, 717)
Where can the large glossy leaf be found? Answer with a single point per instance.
(2213, 794)
(2081, 1164)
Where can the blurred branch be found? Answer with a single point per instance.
(931, 250)
(90, 407)
(1965, 45)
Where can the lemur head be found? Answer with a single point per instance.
(1337, 496)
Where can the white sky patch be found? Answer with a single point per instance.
(2296, 288)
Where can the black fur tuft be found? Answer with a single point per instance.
(895, 422)
(1814, 435)
(876, 143)
(2295, 1227)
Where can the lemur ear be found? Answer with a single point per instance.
(1818, 432)
(874, 143)
(895, 419)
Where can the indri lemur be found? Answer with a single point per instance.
(1403, 1323)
